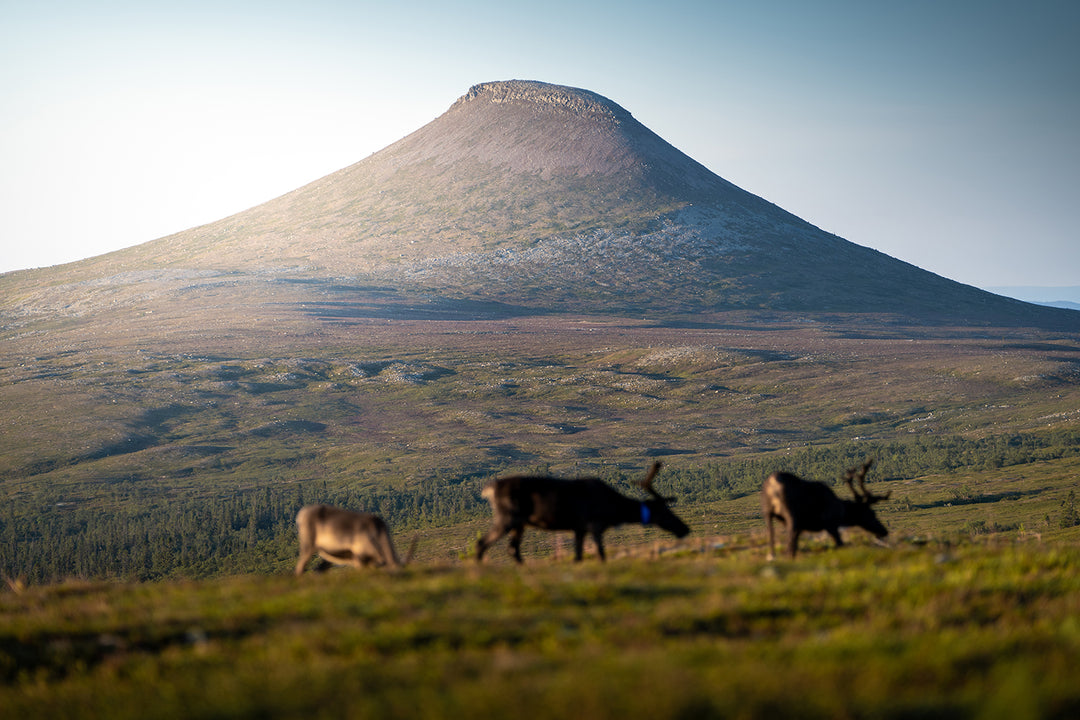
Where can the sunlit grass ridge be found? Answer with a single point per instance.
(939, 629)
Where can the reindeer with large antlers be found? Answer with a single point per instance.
(584, 505)
(805, 505)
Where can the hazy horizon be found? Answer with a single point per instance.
(1038, 293)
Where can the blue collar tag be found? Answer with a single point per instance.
(646, 514)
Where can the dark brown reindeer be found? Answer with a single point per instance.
(807, 506)
(344, 537)
(583, 505)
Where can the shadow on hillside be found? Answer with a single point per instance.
(441, 309)
(689, 324)
(510, 452)
(977, 499)
(289, 427)
(665, 452)
(38, 653)
(1045, 347)
(144, 433)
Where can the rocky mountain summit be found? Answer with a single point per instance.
(532, 195)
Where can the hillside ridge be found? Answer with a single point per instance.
(573, 100)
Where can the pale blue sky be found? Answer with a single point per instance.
(946, 134)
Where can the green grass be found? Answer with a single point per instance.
(943, 629)
(972, 612)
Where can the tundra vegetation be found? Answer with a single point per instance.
(970, 613)
(150, 485)
(950, 626)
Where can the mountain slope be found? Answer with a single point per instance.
(533, 195)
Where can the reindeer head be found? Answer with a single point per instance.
(860, 512)
(655, 509)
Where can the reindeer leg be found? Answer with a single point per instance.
(579, 544)
(598, 538)
(772, 537)
(835, 534)
(307, 542)
(305, 555)
(492, 537)
(515, 542)
(793, 540)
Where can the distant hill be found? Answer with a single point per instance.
(528, 195)
(1067, 297)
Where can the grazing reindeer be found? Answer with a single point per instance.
(805, 505)
(345, 537)
(584, 505)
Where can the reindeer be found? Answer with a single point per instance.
(583, 505)
(805, 505)
(345, 537)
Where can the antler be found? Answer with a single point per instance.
(646, 484)
(865, 496)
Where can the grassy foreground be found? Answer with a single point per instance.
(938, 629)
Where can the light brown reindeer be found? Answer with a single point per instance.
(808, 506)
(344, 537)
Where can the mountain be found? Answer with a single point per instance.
(527, 195)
